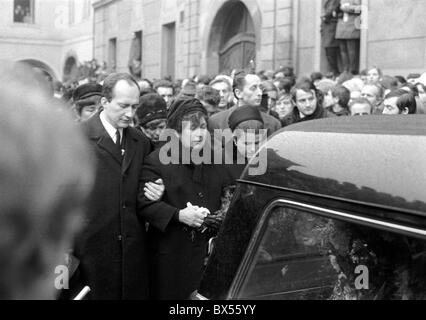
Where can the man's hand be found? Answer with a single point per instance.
(193, 216)
(154, 191)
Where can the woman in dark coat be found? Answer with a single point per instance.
(177, 245)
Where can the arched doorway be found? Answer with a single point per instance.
(232, 43)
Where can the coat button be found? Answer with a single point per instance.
(201, 195)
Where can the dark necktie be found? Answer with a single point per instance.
(118, 140)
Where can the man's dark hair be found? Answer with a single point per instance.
(285, 84)
(413, 76)
(413, 88)
(163, 84)
(239, 80)
(146, 91)
(343, 94)
(268, 86)
(204, 79)
(111, 81)
(208, 95)
(287, 71)
(389, 83)
(405, 100)
(306, 86)
(401, 79)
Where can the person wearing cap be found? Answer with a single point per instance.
(152, 117)
(178, 245)
(246, 124)
(87, 100)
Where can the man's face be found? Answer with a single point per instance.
(154, 129)
(194, 137)
(390, 106)
(371, 93)
(306, 102)
(272, 100)
(360, 109)
(252, 92)
(284, 107)
(121, 109)
(225, 94)
(166, 93)
(88, 111)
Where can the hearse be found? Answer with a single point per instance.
(340, 214)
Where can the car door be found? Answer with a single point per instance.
(303, 251)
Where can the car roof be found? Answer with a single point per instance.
(376, 124)
(379, 160)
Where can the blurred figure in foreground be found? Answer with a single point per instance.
(46, 173)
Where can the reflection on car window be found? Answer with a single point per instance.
(305, 256)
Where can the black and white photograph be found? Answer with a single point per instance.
(212, 154)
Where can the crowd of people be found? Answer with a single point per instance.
(152, 211)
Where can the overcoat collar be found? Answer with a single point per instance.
(124, 157)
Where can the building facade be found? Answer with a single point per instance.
(55, 35)
(181, 38)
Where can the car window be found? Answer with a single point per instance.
(306, 256)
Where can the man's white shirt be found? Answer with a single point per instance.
(112, 132)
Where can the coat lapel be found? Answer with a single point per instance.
(97, 132)
(129, 147)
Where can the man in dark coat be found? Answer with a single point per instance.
(112, 248)
(308, 104)
(328, 34)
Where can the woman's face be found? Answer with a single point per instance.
(248, 143)
(192, 136)
(373, 76)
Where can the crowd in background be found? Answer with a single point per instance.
(368, 93)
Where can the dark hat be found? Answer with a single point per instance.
(182, 107)
(151, 107)
(243, 114)
(87, 91)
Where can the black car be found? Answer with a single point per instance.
(339, 214)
